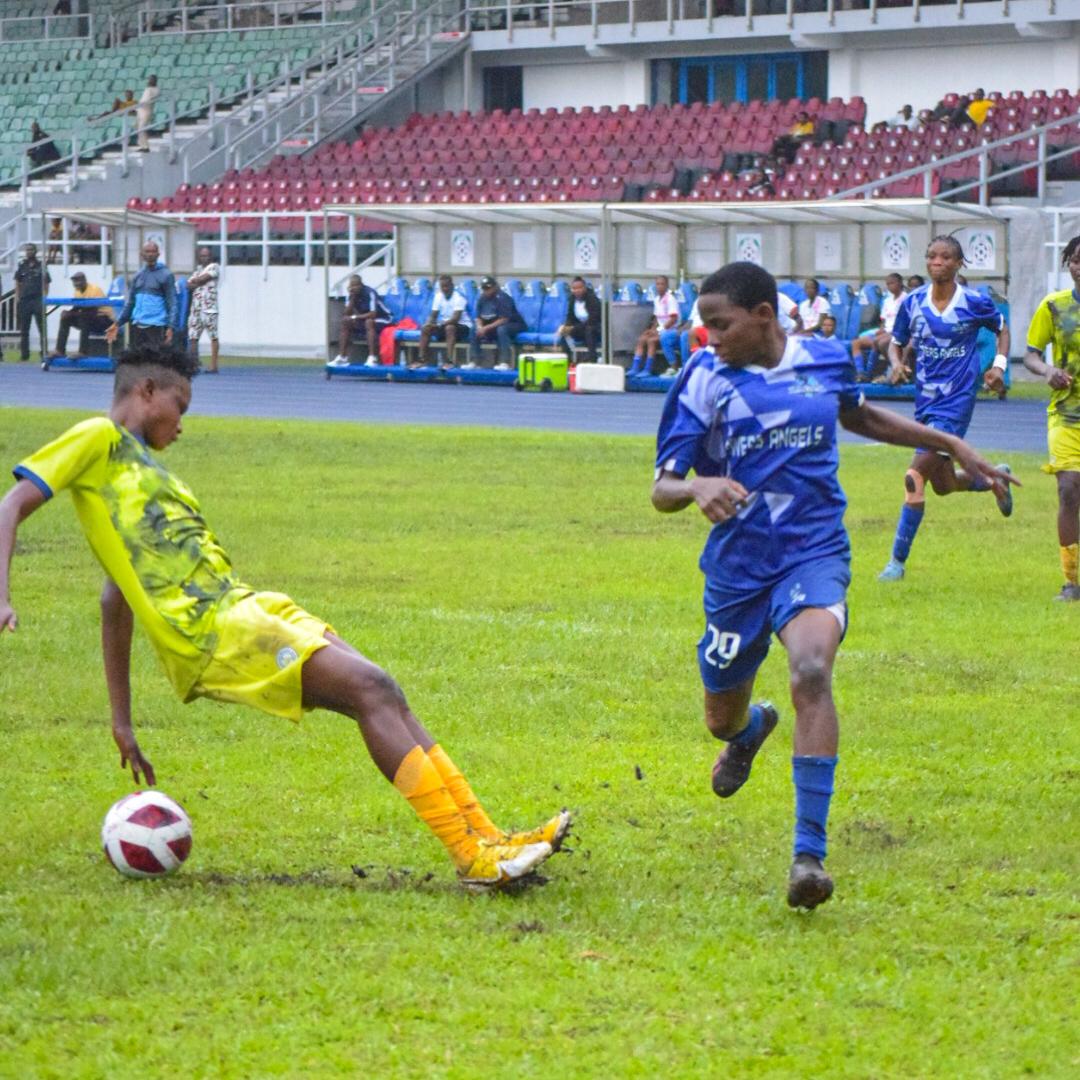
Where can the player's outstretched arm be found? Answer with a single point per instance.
(117, 623)
(994, 379)
(16, 506)
(883, 425)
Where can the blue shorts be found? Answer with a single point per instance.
(951, 414)
(739, 625)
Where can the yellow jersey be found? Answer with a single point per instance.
(92, 292)
(1057, 321)
(147, 531)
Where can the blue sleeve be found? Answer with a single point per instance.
(128, 308)
(685, 421)
(901, 331)
(169, 289)
(381, 310)
(985, 312)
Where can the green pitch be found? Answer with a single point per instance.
(541, 618)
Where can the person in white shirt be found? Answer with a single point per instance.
(449, 321)
(665, 317)
(813, 307)
(870, 349)
(905, 118)
(787, 314)
(144, 114)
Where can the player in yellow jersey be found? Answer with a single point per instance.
(1057, 321)
(219, 638)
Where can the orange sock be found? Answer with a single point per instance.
(419, 781)
(463, 794)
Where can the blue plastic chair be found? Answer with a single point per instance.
(529, 302)
(394, 298)
(631, 292)
(793, 290)
(686, 294)
(841, 299)
(867, 309)
(552, 313)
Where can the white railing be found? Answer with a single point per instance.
(508, 15)
(266, 248)
(405, 33)
(46, 28)
(225, 18)
(982, 154)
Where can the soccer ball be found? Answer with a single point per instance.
(146, 835)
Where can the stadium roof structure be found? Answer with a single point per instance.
(849, 212)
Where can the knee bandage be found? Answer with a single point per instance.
(914, 488)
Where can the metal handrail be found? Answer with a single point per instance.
(83, 26)
(256, 92)
(983, 151)
(403, 25)
(231, 12)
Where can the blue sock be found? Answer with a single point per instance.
(813, 778)
(979, 483)
(752, 729)
(635, 367)
(906, 528)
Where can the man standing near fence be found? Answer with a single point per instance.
(151, 304)
(144, 114)
(31, 282)
(203, 313)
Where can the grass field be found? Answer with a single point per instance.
(541, 618)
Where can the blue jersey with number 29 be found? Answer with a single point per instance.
(774, 431)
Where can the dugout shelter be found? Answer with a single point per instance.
(846, 243)
(119, 235)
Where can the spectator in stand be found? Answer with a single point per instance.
(365, 316)
(959, 116)
(42, 150)
(151, 304)
(812, 308)
(787, 314)
(978, 107)
(787, 146)
(119, 105)
(144, 115)
(31, 283)
(54, 251)
(449, 320)
(498, 321)
(203, 308)
(87, 320)
(665, 316)
(759, 184)
(826, 327)
(905, 119)
(870, 350)
(582, 322)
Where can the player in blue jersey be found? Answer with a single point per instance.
(754, 417)
(942, 321)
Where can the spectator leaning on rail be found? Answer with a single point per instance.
(88, 320)
(582, 322)
(31, 282)
(151, 304)
(498, 321)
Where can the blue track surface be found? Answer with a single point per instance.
(303, 392)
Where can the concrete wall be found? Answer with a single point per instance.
(586, 82)
(920, 75)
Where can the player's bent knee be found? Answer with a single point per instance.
(914, 488)
(811, 677)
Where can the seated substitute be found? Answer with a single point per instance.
(498, 322)
(665, 317)
(217, 637)
(582, 322)
(365, 317)
(449, 321)
(87, 320)
(813, 308)
(870, 350)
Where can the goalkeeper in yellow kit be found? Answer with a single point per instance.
(1057, 321)
(217, 637)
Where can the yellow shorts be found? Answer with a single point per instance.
(1064, 444)
(263, 642)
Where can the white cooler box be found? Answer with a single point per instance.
(600, 379)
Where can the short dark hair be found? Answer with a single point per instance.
(574, 281)
(1070, 250)
(950, 241)
(138, 363)
(894, 274)
(745, 284)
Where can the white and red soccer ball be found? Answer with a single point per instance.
(146, 835)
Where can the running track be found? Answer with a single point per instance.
(303, 393)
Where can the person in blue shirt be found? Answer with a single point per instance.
(941, 321)
(498, 322)
(151, 304)
(753, 417)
